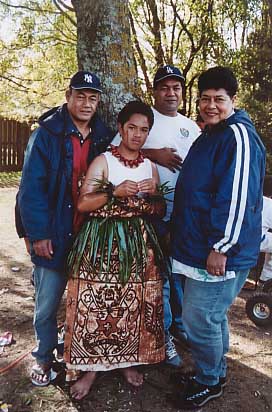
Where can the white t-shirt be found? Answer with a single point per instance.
(199, 274)
(178, 133)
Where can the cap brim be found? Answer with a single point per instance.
(169, 75)
(86, 87)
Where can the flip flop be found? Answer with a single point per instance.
(41, 377)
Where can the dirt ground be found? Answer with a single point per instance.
(250, 357)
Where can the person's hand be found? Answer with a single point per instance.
(167, 157)
(43, 248)
(126, 189)
(216, 263)
(147, 186)
(27, 244)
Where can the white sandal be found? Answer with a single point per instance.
(42, 377)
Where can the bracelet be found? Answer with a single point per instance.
(109, 190)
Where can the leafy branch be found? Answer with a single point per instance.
(24, 7)
(61, 6)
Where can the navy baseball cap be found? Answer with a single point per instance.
(167, 71)
(85, 80)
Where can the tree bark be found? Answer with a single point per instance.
(104, 46)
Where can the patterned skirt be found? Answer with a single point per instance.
(110, 324)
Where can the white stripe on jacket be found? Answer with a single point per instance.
(241, 172)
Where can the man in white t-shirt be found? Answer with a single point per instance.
(173, 134)
(167, 145)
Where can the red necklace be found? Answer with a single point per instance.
(127, 162)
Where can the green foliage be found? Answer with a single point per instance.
(192, 34)
(38, 59)
(10, 179)
(255, 68)
(100, 238)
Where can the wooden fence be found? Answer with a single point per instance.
(13, 140)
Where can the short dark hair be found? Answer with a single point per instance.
(218, 78)
(135, 107)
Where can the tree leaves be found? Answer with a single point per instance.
(41, 51)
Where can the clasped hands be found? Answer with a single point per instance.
(130, 188)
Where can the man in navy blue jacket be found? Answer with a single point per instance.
(217, 228)
(57, 156)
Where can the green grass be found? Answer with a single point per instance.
(10, 179)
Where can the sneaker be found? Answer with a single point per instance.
(197, 395)
(180, 337)
(181, 379)
(172, 358)
(223, 381)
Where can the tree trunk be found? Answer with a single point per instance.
(104, 46)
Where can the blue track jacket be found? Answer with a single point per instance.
(218, 197)
(44, 207)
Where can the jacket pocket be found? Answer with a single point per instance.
(201, 204)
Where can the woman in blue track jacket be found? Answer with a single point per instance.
(216, 228)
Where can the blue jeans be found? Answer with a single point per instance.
(205, 307)
(49, 288)
(172, 302)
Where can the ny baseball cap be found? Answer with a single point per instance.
(85, 80)
(167, 71)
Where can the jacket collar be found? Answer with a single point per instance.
(59, 123)
(220, 126)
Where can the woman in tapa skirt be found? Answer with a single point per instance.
(114, 304)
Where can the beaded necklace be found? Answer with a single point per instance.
(127, 162)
